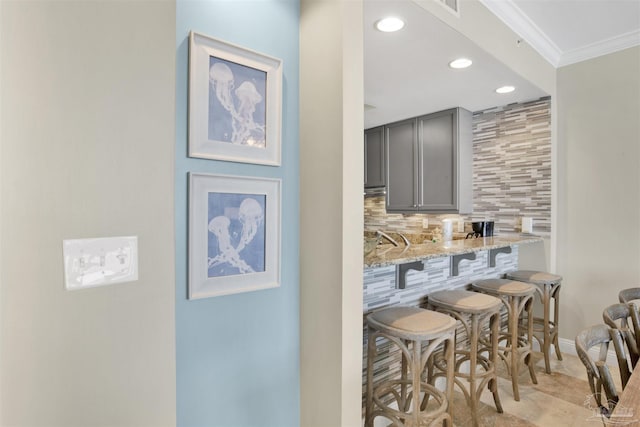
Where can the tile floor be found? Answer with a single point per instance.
(560, 399)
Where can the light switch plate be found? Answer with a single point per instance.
(461, 226)
(425, 222)
(527, 224)
(100, 261)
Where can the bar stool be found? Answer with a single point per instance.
(517, 297)
(473, 310)
(545, 330)
(409, 328)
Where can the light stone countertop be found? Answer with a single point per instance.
(388, 254)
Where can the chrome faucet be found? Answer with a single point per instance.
(386, 236)
(407, 243)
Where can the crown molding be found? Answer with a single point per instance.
(603, 47)
(522, 25)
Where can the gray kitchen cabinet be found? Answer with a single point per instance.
(429, 163)
(374, 159)
(400, 149)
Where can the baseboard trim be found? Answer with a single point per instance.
(569, 347)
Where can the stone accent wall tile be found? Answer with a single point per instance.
(512, 165)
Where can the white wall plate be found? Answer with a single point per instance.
(100, 261)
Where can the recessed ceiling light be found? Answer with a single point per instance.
(390, 24)
(505, 89)
(460, 63)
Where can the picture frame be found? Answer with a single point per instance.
(235, 103)
(234, 234)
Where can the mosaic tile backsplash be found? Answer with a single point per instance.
(511, 174)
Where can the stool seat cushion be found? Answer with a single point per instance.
(412, 323)
(465, 301)
(535, 277)
(504, 287)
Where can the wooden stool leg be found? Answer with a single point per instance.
(556, 320)
(404, 373)
(546, 335)
(450, 345)
(416, 377)
(493, 383)
(371, 352)
(512, 344)
(473, 366)
(529, 358)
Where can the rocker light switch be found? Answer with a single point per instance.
(100, 261)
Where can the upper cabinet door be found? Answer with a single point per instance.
(374, 164)
(437, 151)
(429, 163)
(401, 151)
(445, 169)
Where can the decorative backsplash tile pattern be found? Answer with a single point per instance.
(511, 174)
(512, 165)
(377, 218)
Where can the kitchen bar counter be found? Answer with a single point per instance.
(387, 254)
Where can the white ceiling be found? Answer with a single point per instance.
(569, 31)
(406, 73)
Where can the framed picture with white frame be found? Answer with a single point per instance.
(234, 234)
(235, 102)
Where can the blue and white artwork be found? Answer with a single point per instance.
(237, 103)
(236, 224)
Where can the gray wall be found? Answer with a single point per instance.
(87, 136)
(599, 185)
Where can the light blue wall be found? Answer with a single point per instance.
(238, 355)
